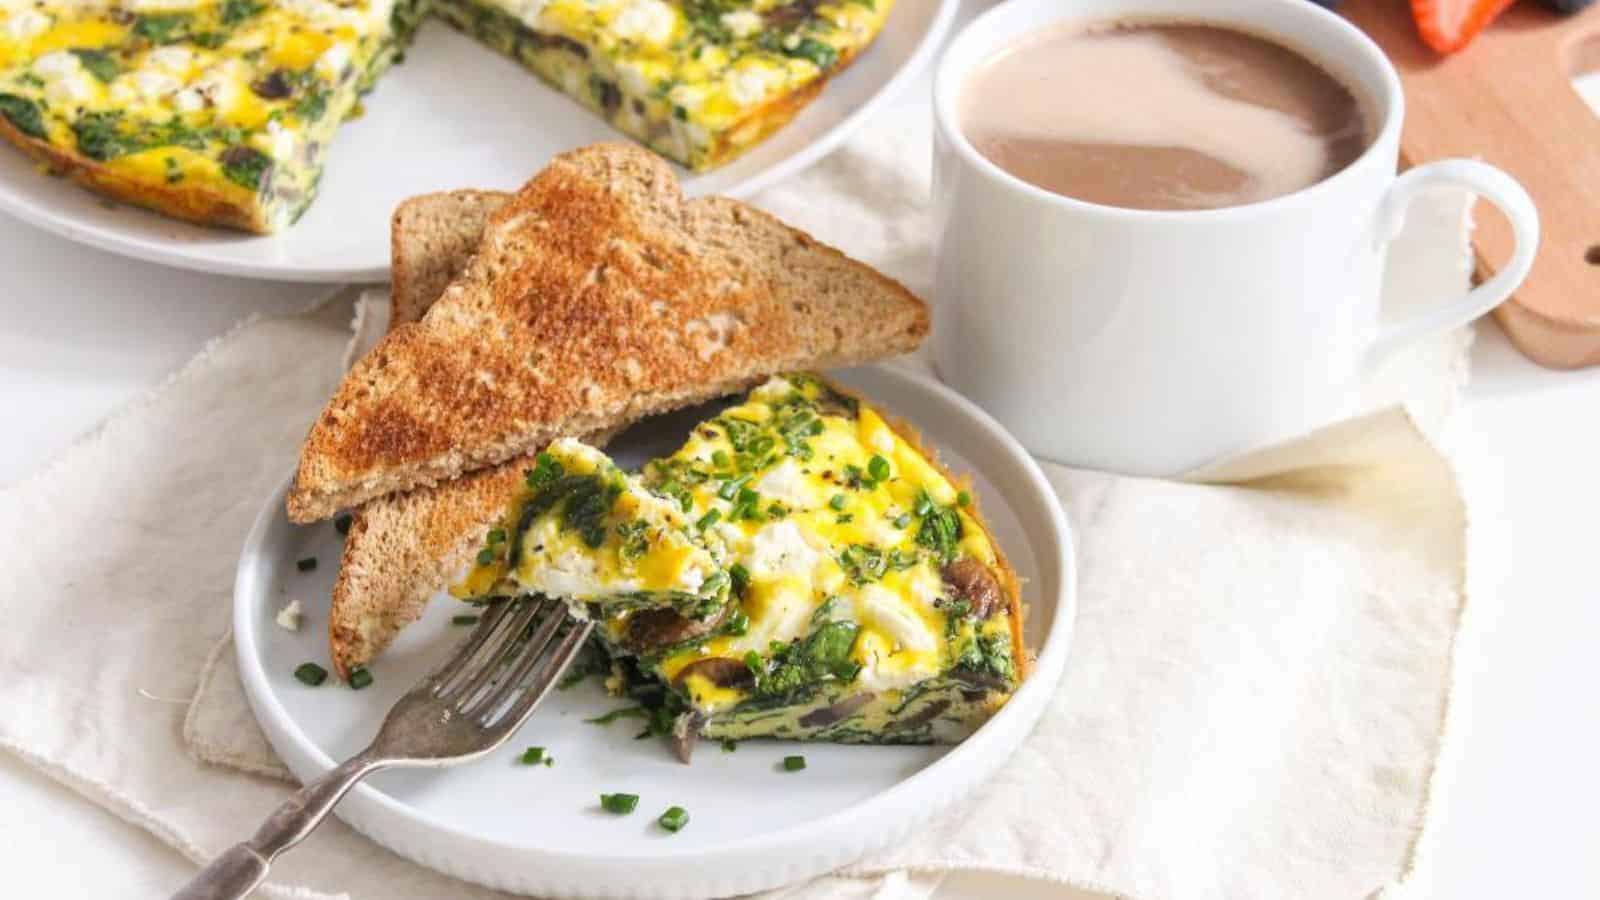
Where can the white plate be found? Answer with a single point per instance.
(752, 826)
(455, 114)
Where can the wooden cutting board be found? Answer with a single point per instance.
(1508, 99)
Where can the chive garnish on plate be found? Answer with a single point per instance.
(674, 818)
(310, 673)
(306, 565)
(464, 619)
(620, 804)
(359, 678)
(535, 756)
(626, 712)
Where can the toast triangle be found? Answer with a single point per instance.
(597, 295)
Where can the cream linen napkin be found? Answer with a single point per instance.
(1256, 703)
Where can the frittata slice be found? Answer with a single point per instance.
(868, 602)
(698, 81)
(219, 112)
(585, 532)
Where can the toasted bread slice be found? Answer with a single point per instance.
(398, 552)
(431, 239)
(403, 547)
(599, 295)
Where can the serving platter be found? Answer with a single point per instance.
(455, 114)
(753, 826)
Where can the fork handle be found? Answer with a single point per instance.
(235, 873)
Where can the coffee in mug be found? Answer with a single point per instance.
(1161, 115)
(1240, 305)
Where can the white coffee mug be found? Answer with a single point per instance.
(1152, 342)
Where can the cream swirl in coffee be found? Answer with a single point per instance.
(1161, 115)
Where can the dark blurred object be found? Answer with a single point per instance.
(1566, 6)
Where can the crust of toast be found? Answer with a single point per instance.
(400, 550)
(190, 202)
(431, 238)
(598, 296)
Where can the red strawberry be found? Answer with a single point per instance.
(1449, 25)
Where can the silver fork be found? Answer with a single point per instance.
(465, 709)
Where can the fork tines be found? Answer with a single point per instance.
(509, 661)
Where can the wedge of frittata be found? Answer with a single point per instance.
(221, 111)
(865, 600)
(215, 111)
(698, 81)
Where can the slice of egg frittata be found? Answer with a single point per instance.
(840, 587)
(214, 111)
(698, 81)
(585, 532)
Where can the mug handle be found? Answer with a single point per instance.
(1489, 183)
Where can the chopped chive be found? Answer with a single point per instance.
(720, 459)
(738, 623)
(464, 619)
(837, 502)
(903, 520)
(709, 519)
(626, 712)
(307, 565)
(752, 660)
(924, 504)
(963, 499)
(497, 536)
(674, 818)
(621, 804)
(342, 524)
(740, 576)
(845, 518)
(729, 489)
(311, 674)
(360, 678)
(878, 468)
(794, 763)
(485, 556)
(534, 756)
(729, 745)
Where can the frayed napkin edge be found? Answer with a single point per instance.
(143, 401)
(206, 752)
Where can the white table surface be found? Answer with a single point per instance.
(86, 333)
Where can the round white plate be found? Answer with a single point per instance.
(752, 826)
(455, 115)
